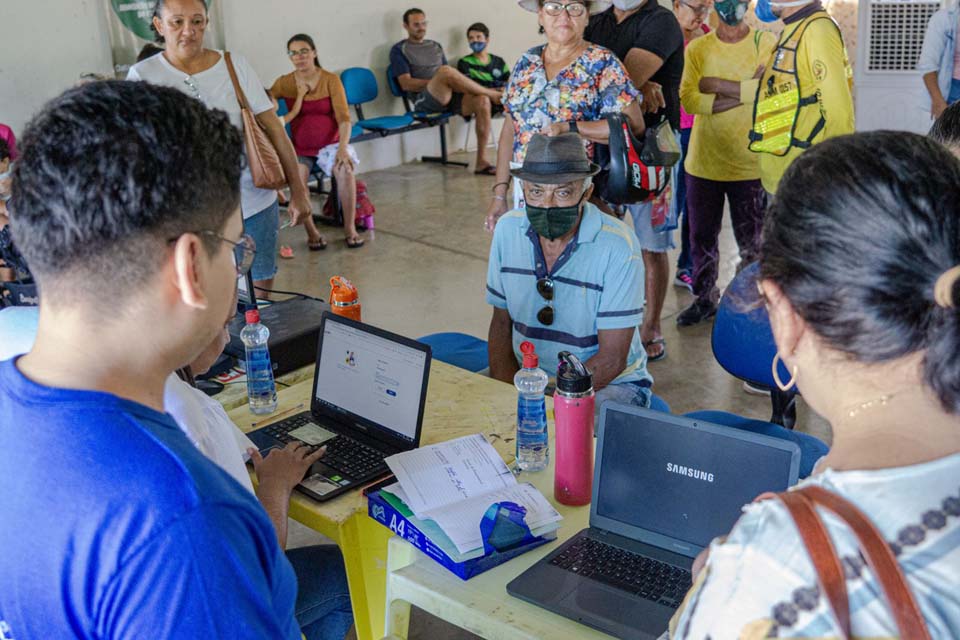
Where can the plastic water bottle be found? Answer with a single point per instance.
(533, 449)
(261, 389)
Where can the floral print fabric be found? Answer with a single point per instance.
(593, 85)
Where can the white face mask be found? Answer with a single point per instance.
(627, 5)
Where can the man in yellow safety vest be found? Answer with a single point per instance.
(803, 95)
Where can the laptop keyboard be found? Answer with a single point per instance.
(630, 572)
(351, 458)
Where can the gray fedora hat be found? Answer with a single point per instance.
(555, 160)
(594, 6)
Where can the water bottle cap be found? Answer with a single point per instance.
(342, 291)
(572, 375)
(252, 316)
(530, 358)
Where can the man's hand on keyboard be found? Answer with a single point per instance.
(283, 469)
(278, 473)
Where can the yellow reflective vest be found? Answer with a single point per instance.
(803, 97)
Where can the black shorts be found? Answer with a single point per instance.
(424, 102)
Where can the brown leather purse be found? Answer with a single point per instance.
(262, 157)
(902, 605)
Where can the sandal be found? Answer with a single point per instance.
(319, 245)
(488, 170)
(354, 243)
(663, 349)
(286, 252)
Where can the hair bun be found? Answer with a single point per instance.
(943, 289)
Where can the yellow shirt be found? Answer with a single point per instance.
(718, 141)
(824, 70)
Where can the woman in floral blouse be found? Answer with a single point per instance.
(565, 85)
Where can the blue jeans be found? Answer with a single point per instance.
(264, 227)
(684, 260)
(323, 599)
(954, 92)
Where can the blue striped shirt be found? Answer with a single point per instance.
(598, 285)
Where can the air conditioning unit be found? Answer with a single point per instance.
(889, 90)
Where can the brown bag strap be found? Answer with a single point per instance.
(241, 98)
(903, 606)
(822, 554)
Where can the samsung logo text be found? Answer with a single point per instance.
(690, 472)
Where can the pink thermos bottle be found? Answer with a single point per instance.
(573, 413)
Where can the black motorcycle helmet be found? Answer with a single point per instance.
(639, 170)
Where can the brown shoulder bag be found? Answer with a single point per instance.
(903, 606)
(262, 157)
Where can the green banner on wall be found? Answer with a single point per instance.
(136, 15)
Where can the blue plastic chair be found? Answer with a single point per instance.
(430, 119)
(360, 85)
(659, 404)
(743, 343)
(811, 447)
(458, 349)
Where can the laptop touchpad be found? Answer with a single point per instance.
(609, 604)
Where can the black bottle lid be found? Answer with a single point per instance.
(572, 375)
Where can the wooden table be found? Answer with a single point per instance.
(458, 403)
(481, 604)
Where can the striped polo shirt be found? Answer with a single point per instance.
(598, 285)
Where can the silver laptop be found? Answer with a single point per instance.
(664, 486)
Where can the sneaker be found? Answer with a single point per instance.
(696, 313)
(755, 390)
(683, 280)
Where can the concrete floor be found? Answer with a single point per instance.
(423, 270)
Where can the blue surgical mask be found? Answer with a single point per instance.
(764, 12)
(477, 47)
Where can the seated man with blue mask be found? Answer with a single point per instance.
(567, 277)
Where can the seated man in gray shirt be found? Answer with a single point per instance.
(421, 69)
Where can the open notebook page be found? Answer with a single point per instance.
(449, 472)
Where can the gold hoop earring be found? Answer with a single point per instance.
(776, 375)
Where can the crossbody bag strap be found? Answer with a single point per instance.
(241, 97)
(903, 606)
(822, 554)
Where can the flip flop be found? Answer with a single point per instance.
(319, 245)
(663, 351)
(286, 252)
(488, 170)
(354, 243)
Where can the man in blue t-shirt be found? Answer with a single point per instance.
(421, 69)
(114, 525)
(567, 277)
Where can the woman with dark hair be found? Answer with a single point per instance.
(860, 273)
(202, 73)
(320, 127)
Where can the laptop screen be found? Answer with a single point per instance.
(371, 377)
(681, 481)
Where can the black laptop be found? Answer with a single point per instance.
(664, 487)
(369, 391)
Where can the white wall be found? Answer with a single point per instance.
(360, 33)
(44, 47)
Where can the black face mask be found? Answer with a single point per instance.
(553, 222)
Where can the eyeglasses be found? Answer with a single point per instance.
(192, 85)
(573, 9)
(545, 289)
(701, 10)
(244, 250)
(299, 52)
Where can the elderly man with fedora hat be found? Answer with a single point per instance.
(567, 277)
